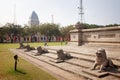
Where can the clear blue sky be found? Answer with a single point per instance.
(65, 12)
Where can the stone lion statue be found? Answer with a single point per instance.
(21, 46)
(41, 51)
(62, 56)
(102, 61)
(28, 48)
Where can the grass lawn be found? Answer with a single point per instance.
(26, 71)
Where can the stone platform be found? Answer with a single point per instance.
(77, 68)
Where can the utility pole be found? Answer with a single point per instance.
(81, 13)
(79, 24)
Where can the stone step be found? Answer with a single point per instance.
(81, 57)
(80, 63)
(69, 51)
(115, 74)
(92, 59)
(78, 56)
(86, 57)
(111, 52)
(108, 45)
(77, 70)
(64, 66)
(110, 77)
(53, 56)
(95, 73)
(54, 71)
(89, 51)
(73, 61)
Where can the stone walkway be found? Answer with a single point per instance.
(112, 52)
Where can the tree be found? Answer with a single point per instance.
(89, 26)
(65, 31)
(13, 30)
(2, 34)
(112, 25)
(49, 30)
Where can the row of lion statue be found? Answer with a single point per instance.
(101, 60)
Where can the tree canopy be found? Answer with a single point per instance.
(46, 29)
(49, 29)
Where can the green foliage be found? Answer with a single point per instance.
(28, 31)
(2, 32)
(112, 25)
(46, 29)
(49, 29)
(65, 30)
(89, 26)
(12, 29)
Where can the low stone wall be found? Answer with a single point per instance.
(97, 35)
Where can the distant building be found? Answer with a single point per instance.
(33, 19)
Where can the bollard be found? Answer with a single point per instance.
(16, 59)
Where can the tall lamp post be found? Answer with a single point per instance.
(79, 27)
